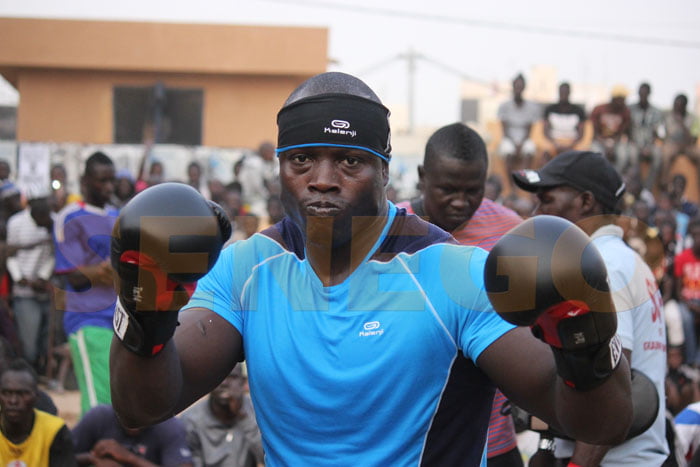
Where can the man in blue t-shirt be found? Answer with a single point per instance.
(368, 333)
(82, 235)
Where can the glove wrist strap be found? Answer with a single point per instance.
(144, 333)
(588, 368)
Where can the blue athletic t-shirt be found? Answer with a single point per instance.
(370, 371)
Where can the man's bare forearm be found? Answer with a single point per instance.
(144, 390)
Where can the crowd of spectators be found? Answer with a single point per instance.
(658, 219)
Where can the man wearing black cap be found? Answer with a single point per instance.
(368, 333)
(584, 188)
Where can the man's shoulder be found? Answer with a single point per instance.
(490, 207)
(410, 234)
(197, 414)
(45, 417)
(532, 106)
(47, 423)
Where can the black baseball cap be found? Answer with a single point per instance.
(582, 170)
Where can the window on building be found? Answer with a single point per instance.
(8, 122)
(171, 115)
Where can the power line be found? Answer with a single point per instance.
(547, 30)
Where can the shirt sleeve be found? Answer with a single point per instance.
(61, 452)
(87, 432)
(476, 323)
(216, 291)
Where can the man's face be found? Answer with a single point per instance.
(644, 92)
(194, 173)
(17, 396)
(324, 188)
(679, 104)
(564, 92)
(452, 190)
(618, 102)
(99, 185)
(561, 201)
(518, 87)
(229, 394)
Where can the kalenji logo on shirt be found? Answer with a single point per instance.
(371, 328)
(340, 127)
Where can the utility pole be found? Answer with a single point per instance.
(411, 56)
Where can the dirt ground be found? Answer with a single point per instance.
(68, 403)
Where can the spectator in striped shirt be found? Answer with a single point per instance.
(453, 180)
(31, 264)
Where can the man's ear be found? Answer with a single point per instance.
(588, 202)
(421, 173)
(385, 173)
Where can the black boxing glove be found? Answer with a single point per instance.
(166, 237)
(545, 273)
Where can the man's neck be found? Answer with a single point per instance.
(334, 264)
(19, 431)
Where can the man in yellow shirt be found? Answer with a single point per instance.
(29, 437)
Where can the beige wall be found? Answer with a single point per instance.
(162, 47)
(65, 72)
(76, 106)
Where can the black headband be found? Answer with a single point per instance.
(338, 120)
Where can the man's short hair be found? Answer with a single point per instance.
(458, 141)
(21, 365)
(332, 82)
(95, 159)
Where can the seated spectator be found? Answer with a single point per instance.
(687, 280)
(646, 120)
(563, 124)
(677, 192)
(517, 117)
(681, 129)
(221, 430)
(99, 437)
(611, 126)
(28, 436)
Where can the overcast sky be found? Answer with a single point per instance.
(595, 41)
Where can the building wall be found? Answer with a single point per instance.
(161, 47)
(65, 72)
(76, 106)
